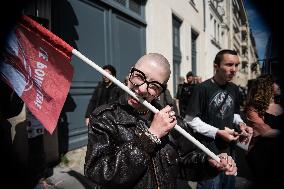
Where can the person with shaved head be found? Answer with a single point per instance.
(131, 147)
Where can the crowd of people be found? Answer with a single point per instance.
(125, 136)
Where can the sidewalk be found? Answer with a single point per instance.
(69, 175)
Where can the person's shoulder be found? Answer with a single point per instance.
(203, 85)
(99, 85)
(207, 81)
(234, 87)
(231, 84)
(115, 87)
(104, 108)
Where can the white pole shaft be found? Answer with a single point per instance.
(144, 102)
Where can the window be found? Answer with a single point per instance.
(194, 36)
(122, 2)
(215, 29)
(132, 5)
(176, 36)
(218, 32)
(135, 5)
(176, 23)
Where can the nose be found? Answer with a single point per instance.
(143, 88)
(233, 69)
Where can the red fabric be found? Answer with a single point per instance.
(38, 68)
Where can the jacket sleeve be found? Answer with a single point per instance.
(193, 162)
(110, 162)
(179, 90)
(91, 104)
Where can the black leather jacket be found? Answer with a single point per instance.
(120, 155)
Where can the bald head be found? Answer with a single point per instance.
(157, 62)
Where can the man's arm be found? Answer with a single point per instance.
(237, 119)
(91, 104)
(210, 131)
(201, 127)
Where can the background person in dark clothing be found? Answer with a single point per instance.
(166, 99)
(184, 92)
(104, 93)
(10, 106)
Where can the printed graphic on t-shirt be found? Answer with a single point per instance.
(221, 104)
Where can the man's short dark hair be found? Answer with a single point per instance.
(189, 74)
(219, 55)
(111, 69)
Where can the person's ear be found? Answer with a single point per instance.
(215, 66)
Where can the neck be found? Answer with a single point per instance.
(218, 80)
(108, 84)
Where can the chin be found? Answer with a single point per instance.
(230, 78)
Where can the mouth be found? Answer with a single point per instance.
(231, 76)
(133, 101)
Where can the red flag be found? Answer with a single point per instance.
(36, 64)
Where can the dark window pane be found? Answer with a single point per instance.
(135, 5)
(122, 2)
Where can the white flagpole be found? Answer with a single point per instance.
(144, 102)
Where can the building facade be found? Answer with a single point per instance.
(243, 42)
(176, 29)
(228, 27)
(217, 31)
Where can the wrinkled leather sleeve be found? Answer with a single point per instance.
(193, 162)
(110, 163)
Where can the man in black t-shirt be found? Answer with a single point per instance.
(214, 112)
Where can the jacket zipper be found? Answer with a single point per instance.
(156, 176)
